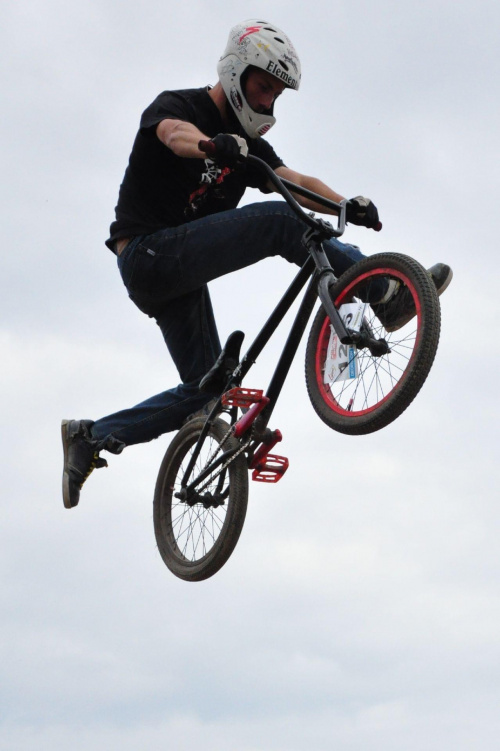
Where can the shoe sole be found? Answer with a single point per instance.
(65, 477)
(439, 291)
(391, 329)
(446, 284)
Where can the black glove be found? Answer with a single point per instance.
(229, 149)
(362, 211)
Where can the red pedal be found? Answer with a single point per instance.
(249, 417)
(271, 470)
(264, 449)
(240, 397)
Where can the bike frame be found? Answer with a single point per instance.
(321, 276)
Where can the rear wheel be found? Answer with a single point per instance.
(196, 533)
(376, 386)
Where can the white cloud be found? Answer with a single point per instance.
(360, 609)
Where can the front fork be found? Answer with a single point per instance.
(325, 275)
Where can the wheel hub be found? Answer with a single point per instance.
(207, 500)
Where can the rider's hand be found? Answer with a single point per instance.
(363, 212)
(229, 149)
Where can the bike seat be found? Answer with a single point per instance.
(215, 381)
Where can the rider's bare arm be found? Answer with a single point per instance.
(181, 137)
(310, 183)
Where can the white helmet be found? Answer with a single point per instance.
(264, 46)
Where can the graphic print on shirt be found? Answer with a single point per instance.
(211, 185)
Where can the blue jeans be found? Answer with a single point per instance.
(166, 276)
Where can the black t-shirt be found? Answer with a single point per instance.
(160, 189)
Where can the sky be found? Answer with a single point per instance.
(360, 610)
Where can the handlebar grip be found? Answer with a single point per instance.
(207, 147)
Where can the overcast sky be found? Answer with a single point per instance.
(360, 610)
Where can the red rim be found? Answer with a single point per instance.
(324, 336)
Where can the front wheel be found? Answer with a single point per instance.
(197, 533)
(374, 384)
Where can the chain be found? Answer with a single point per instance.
(219, 446)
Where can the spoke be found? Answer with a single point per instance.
(183, 518)
(377, 376)
(189, 531)
(374, 379)
(195, 528)
(200, 517)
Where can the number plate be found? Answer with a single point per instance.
(341, 362)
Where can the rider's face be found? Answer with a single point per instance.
(262, 89)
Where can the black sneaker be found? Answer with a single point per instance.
(80, 458)
(441, 276)
(400, 308)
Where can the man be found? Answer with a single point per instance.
(177, 228)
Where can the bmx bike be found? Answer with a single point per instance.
(359, 378)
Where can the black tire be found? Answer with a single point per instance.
(384, 385)
(194, 541)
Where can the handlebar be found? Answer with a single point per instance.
(283, 187)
